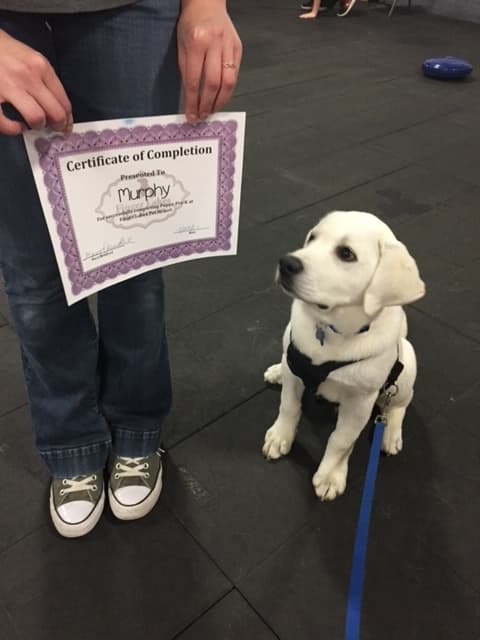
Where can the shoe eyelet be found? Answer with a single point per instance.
(117, 466)
(147, 475)
(94, 488)
(116, 476)
(146, 465)
(64, 481)
(94, 478)
(62, 492)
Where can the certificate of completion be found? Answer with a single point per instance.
(122, 197)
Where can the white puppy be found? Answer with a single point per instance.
(348, 283)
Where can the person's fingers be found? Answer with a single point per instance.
(53, 83)
(30, 86)
(56, 115)
(10, 127)
(28, 108)
(212, 79)
(191, 66)
(181, 66)
(209, 55)
(230, 70)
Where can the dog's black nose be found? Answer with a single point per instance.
(289, 266)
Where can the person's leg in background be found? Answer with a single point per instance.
(325, 5)
(122, 63)
(345, 6)
(313, 12)
(58, 343)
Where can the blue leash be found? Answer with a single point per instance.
(352, 624)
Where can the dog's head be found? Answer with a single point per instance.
(351, 258)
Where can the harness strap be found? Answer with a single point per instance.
(312, 375)
(394, 374)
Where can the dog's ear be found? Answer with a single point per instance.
(396, 280)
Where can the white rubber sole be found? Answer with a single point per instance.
(136, 511)
(82, 528)
(350, 7)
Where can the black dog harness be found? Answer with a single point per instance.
(312, 375)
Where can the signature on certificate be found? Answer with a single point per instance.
(108, 249)
(190, 229)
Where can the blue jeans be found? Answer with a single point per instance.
(89, 389)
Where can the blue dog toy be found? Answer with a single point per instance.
(448, 68)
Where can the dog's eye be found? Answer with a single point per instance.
(345, 254)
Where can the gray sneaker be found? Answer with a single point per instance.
(76, 504)
(135, 485)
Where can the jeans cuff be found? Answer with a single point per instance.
(131, 443)
(77, 461)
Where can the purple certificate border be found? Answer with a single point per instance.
(50, 149)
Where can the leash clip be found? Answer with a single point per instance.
(388, 393)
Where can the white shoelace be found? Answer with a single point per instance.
(131, 468)
(73, 485)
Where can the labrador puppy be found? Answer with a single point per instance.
(346, 337)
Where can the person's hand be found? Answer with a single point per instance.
(209, 56)
(29, 83)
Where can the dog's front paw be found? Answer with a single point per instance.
(330, 485)
(392, 441)
(273, 375)
(277, 443)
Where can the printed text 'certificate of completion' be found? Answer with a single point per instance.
(122, 197)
